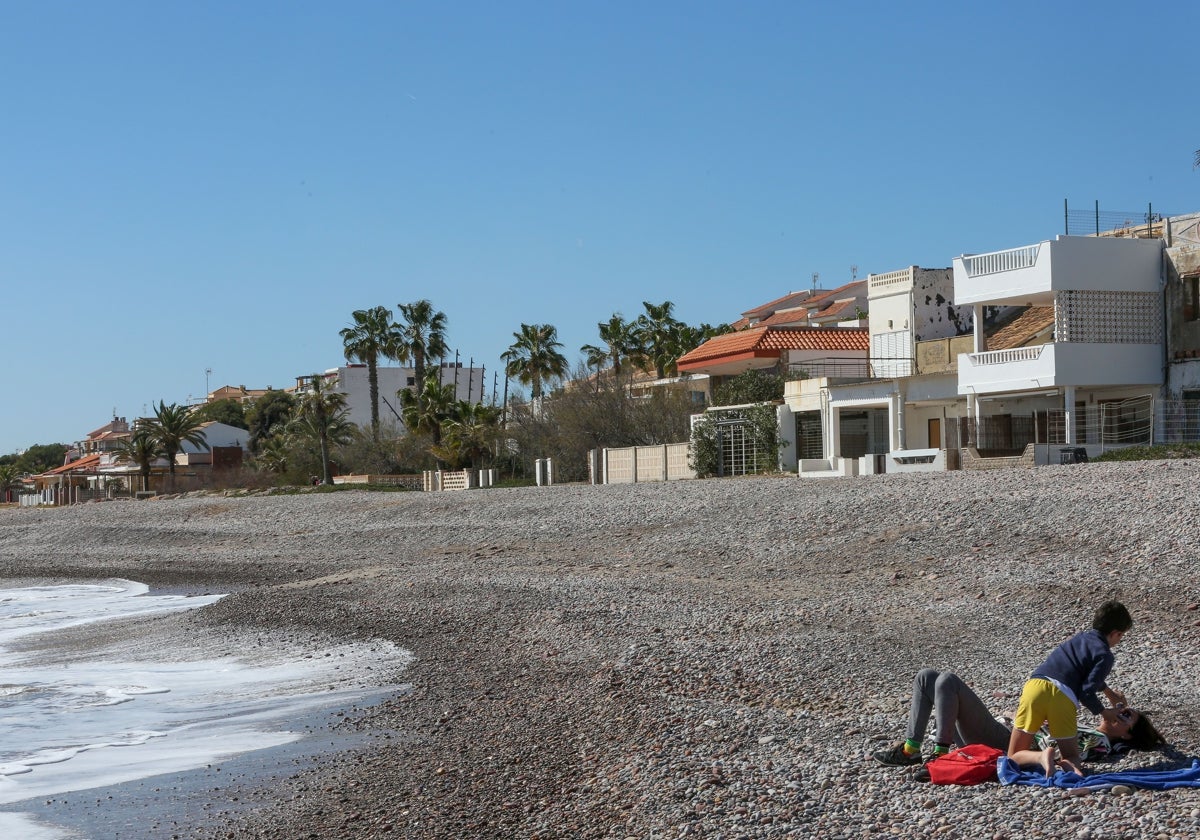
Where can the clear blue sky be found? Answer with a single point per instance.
(192, 186)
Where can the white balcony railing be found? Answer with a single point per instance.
(998, 261)
(1004, 357)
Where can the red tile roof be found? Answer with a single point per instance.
(843, 310)
(1023, 329)
(791, 299)
(770, 342)
(88, 463)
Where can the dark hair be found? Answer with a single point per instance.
(1110, 616)
(1143, 735)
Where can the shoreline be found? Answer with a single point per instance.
(690, 659)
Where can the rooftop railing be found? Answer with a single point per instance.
(1013, 259)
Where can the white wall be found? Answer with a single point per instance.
(352, 380)
(1068, 262)
(220, 434)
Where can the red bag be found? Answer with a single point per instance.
(969, 765)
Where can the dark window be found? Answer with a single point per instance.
(1191, 298)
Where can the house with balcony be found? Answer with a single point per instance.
(897, 410)
(1091, 355)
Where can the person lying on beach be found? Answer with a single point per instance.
(961, 718)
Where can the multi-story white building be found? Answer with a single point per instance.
(351, 380)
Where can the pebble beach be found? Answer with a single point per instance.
(710, 659)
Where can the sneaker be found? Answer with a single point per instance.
(922, 774)
(896, 757)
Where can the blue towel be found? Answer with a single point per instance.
(1187, 777)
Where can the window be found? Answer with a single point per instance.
(1191, 298)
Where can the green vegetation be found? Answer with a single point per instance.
(1166, 451)
(229, 412)
(172, 426)
(373, 336)
(534, 358)
(760, 428)
(752, 386)
(296, 437)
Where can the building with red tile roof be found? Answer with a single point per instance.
(773, 347)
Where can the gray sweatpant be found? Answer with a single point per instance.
(958, 713)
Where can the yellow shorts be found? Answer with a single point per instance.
(1043, 702)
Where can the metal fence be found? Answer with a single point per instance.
(853, 368)
(1094, 221)
(1141, 421)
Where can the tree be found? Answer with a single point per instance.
(372, 336)
(229, 412)
(322, 417)
(751, 386)
(41, 457)
(618, 336)
(421, 337)
(8, 480)
(658, 334)
(141, 448)
(534, 358)
(425, 411)
(174, 425)
(268, 414)
(469, 434)
(595, 357)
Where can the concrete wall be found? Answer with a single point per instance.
(634, 464)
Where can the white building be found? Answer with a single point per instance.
(352, 381)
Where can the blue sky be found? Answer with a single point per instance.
(218, 186)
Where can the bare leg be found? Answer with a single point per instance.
(1021, 754)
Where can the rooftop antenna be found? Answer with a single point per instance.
(816, 277)
(853, 273)
(207, 374)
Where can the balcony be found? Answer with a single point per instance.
(1059, 364)
(1033, 274)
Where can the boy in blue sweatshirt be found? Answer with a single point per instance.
(1071, 675)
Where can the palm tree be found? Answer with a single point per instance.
(174, 425)
(8, 480)
(420, 338)
(469, 434)
(618, 336)
(322, 417)
(595, 357)
(534, 358)
(372, 336)
(141, 448)
(659, 334)
(274, 454)
(426, 410)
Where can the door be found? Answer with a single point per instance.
(935, 433)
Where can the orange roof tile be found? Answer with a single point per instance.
(790, 299)
(769, 342)
(855, 288)
(88, 462)
(843, 310)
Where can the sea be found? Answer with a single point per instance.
(128, 710)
